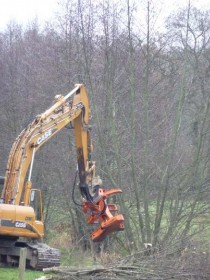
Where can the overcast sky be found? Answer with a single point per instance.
(23, 11)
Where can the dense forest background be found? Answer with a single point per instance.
(149, 91)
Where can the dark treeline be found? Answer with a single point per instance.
(149, 94)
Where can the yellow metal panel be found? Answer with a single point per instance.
(19, 221)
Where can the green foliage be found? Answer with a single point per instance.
(7, 273)
(76, 257)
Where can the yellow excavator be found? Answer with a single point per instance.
(21, 214)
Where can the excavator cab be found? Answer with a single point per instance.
(36, 203)
(1, 186)
(1, 180)
(1, 183)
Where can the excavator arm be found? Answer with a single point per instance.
(74, 107)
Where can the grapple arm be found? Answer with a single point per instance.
(99, 210)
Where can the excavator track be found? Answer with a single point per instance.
(43, 256)
(39, 255)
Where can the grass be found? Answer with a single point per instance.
(7, 273)
(76, 257)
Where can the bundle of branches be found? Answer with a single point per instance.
(189, 264)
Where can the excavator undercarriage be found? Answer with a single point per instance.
(39, 255)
